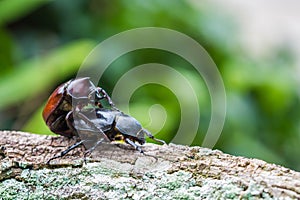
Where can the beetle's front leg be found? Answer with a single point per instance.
(102, 94)
(137, 147)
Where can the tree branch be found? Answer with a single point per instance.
(163, 172)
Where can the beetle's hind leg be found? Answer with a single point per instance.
(152, 137)
(63, 153)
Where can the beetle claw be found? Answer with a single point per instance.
(137, 147)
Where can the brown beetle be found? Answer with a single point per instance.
(60, 106)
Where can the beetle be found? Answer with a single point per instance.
(71, 111)
(112, 125)
(60, 105)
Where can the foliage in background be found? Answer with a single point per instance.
(44, 42)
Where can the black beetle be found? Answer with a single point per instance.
(112, 125)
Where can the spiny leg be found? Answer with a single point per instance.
(104, 96)
(152, 137)
(93, 147)
(137, 147)
(63, 153)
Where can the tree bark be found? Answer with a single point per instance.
(163, 172)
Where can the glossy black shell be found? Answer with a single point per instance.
(112, 123)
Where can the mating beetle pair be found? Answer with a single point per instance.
(77, 108)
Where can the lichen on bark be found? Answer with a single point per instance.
(163, 172)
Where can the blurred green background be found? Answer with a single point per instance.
(43, 43)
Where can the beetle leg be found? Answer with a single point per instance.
(69, 123)
(65, 151)
(89, 151)
(137, 147)
(152, 137)
(90, 123)
(104, 96)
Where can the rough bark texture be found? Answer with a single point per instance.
(164, 172)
